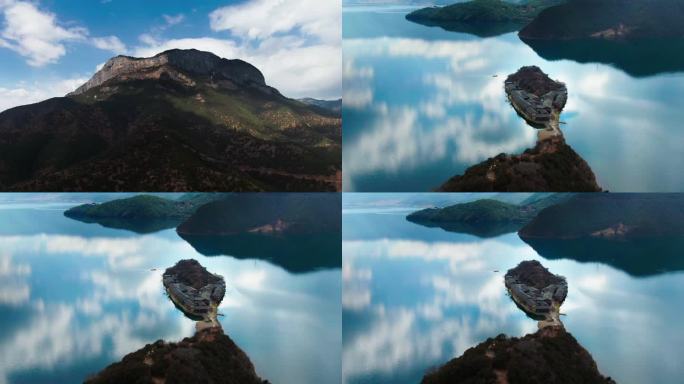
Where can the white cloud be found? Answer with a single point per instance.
(23, 93)
(173, 20)
(36, 34)
(40, 37)
(109, 43)
(261, 19)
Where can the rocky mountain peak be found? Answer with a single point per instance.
(184, 65)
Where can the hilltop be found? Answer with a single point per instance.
(550, 356)
(209, 357)
(183, 120)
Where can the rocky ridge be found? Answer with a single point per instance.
(177, 65)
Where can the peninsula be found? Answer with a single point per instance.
(552, 165)
(537, 291)
(195, 291)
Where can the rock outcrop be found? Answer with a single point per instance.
(549, 356)
(209, 356)
(551, 166)
(535, 289)
(196, 291)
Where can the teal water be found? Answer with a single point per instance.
(415, 297)
(421, 104)
(76, 297)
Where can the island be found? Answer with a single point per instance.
(142, 213)
(210, 356)
(552, 165)
(486, 217)
(608, 20)
(551, 356)
(482, 18)
(537, 291)
(537, 98)
(195, 291)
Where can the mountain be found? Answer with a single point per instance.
(608, 19)
(483, 18)
(610, 216)
(142, 213)
(550, 355)
(640, 234)
(486, 217)
(209, 356)
(267, 214)
(330, 105)
(300, 232)
(183, 120)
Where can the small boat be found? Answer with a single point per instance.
(153, 269)
(496, 271)
(563, 122)
(220, 314)
(495, 75)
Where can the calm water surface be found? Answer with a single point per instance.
(75, 297)
(421, 104)
(415, 297)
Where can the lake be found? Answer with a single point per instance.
(422, 104)
(415, 297)
(76, 297)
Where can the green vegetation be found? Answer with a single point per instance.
(549, 356)
(480, 211)
(137, 207)
(484, 11)
(608, 19)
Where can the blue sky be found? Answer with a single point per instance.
(49, 47)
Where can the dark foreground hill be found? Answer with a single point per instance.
(608, 19)
(549, 356)
(183, 120)
(208, 357)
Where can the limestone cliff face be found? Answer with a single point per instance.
(180, 65)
